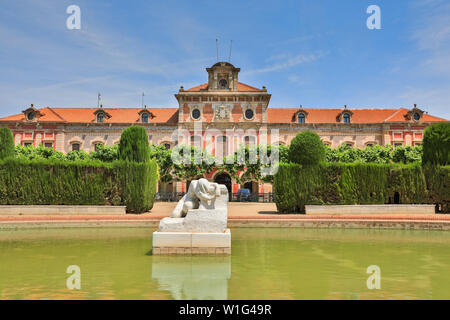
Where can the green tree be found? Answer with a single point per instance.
(105, 153)
(163, 158)
(134, 145)
(436, 144)
(307, 149)
(6, 143)
(191, 162)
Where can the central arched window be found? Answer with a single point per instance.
(301, 118)
(144, 117)
(346, 118)
(221, 146)
(196, 141)
(416, 116)
(223, 84)
(100, 117)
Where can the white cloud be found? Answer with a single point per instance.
(286, 61)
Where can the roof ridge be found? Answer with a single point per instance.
(394, 114)
(55, 113)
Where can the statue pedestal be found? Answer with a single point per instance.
(188, 243)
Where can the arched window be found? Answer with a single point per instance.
(416, 116)
(301, 118)
(166, 145)
(75, 147)
(144, 117)
(346, 118)
(100, 117)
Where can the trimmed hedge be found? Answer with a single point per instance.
(347, 184)
(53, 182)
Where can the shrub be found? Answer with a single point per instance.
(56, 182)
(307, 149)
(77, 155)
(407, 154)
(436, 144)
(6, 143)
(134, 145)
(105, 153)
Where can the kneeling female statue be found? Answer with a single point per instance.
(202, 209)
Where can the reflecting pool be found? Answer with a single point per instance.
(272, 263)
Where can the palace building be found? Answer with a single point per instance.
(223, 104)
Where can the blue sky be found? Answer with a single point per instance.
(318, 54)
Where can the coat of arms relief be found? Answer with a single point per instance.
(222, 112)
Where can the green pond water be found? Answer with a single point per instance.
(116, 263)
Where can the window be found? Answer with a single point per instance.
(167, 146)
(346, 118)
(48, 145)
(30, 116)
(369, 145)
(100, 117)
(416, 116)
(75, 147)
(348, 144)
(398, 144)
(27, 144)
(249, 114)
(144, 117)
(196, 141)
(196, 114)
(301, 118)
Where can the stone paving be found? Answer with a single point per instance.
(240, 215)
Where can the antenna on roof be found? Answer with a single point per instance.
(99, 98)
(143, 94)
(231, 48)
(217, 49)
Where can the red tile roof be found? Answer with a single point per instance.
(86, 115)
(240, 87)
(170, 115)
(288, 115)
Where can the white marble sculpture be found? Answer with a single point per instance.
(202, 209)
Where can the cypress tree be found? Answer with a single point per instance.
(134, 145)
(6, 143)
(436, 144)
